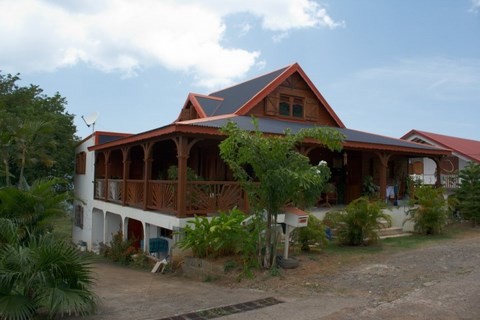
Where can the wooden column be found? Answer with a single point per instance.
(147, 170)
(182, 156)
(438, 172)
(107, 173)
(183, 150)
(383, 157)
(126, 172)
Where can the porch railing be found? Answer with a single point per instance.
(134, 193)
(115, 190)
(100, 189)
(202, 197)
(205, 197)
(450, 181)
(162, 195)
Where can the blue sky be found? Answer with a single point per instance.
(385, 67)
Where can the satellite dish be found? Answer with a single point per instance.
(91, 119)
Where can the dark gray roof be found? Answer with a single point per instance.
(236, 96)
(275, 126)
(208, 105)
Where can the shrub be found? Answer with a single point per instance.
(359, 222)
(429, 213)
(313, 233)
(120, 250)
(468, 193)
(43, 278)
(219, 236)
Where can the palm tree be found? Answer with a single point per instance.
(44, 278)
(31, 208)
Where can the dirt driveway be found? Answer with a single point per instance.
(436, 281)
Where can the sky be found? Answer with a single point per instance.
(385, 67)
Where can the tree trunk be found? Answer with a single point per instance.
(7, 172)
(21, 185)
(268, 243)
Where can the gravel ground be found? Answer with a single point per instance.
(436, 281)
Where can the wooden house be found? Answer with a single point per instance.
(148, 185)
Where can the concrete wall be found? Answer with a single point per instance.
(84, 194)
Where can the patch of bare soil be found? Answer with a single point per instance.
(387, 276)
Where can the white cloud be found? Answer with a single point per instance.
(125, 36)
(475, 6)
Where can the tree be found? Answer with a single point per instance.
(429, 210)
(43, 277)
(273, 173)
(38, 124)
(38, 273)
(468, 193)
(30, 209)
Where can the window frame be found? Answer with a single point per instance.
(293, 102)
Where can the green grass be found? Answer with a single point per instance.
(62, 227)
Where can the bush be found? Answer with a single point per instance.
(222, 235)
(468, 193)
(42, 278)
(313, 233)
(429, 213)
(120, 250)
(359, 222)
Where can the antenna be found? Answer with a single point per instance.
(90, 120)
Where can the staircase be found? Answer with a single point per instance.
(392, 232)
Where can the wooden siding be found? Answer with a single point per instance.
(294, 86)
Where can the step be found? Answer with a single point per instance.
(392, 232)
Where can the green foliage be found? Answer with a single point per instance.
(369, 188)
(429, 212)
(37, 135)
(30, 209)
(273, 173)
(43, 276)
(221, 235)
(312, 234)
(359, 222)
(468, 193)
(120, 250)
(172, 174)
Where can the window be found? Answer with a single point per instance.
(80, 163)
(290, 106)
(78, 219)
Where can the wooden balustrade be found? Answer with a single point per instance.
(162, 195)
(134, 193)
(203, 197)
(100, 189)
(115, 190)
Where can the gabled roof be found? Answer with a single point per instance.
(241, 98)
(237, 96)
(466, 148)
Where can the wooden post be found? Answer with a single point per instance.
(147, 170)
(182, 156)
(107, 172)
(183, 151)
(438, 172)
(126, 172)
(384, 157)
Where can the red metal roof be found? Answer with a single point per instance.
(467, 148)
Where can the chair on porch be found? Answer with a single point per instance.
(329, 196)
